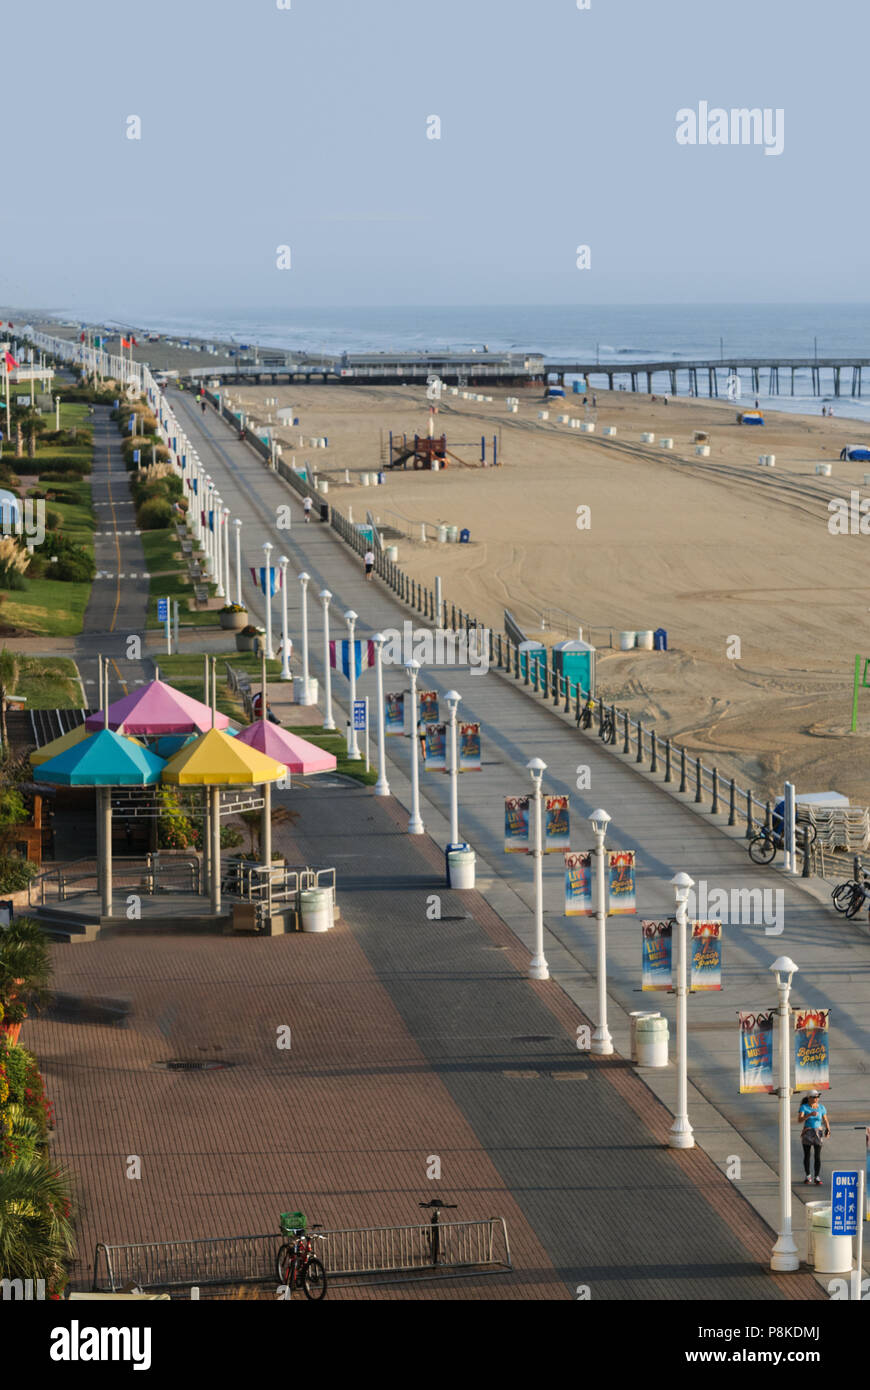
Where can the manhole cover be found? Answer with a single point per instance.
(179, 1064)
(534, 1037)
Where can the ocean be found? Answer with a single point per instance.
(606, 333)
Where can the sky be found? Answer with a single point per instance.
(306, 127)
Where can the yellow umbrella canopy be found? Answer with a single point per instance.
(216, 760)
(60, 745)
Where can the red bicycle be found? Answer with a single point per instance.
(297, 1265)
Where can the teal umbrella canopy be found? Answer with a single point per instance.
(106, 759)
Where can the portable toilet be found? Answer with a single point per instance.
(367, 533)
(660, 640)
(578, 388)
(576, 662)
(464, 536)
(532, 654)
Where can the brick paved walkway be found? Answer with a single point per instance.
(410, 1038)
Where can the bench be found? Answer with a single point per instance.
(200, 593)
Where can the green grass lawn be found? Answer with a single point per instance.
(169, 579)
(78, 517)
(46, 607)
(49, 684)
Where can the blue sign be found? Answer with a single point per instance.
(163, 610)
(844, 1204)
(359, 715)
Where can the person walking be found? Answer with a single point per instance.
(307, 505)
(369, 563)
(813, 1117)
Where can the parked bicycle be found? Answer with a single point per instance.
(436, 1206)
(607, 732)
(297, 1265)
(766, 841)
(851, 896)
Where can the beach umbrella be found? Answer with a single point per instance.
(158, 708)
(212, 761)
(60, 745)
(103, 760)
(297, 754)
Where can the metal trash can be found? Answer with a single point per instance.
(828, 1253)
(460, 864)
(315, 909)
(634, 1019)
(324, 511)
(653, 1035)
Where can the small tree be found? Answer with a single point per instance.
(9, 669)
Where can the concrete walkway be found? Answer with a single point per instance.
(833, 955)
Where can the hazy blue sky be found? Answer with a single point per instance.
(307, 127)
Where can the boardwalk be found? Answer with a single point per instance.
(669, 836)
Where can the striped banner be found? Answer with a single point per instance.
(364, 656)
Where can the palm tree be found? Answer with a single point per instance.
(25, 967)
(33, 425)
(36, 1229)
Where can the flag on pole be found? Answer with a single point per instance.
(10, 360)
(259, 578)
(364, 656)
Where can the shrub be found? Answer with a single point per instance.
(155, 514)
(74, 568)
(53, 519)
(15, 874)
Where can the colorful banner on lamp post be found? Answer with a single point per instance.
(622, 895)
(578, 884)
(363, 656)
(469, 748)
(557, 825)
(516, 824)
(394, 713)
(706, 955)
(812, 1054)
(436, 747)
(657, 967)
(428, 706)
(756, 1053)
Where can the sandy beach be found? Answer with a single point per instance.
(711, 549)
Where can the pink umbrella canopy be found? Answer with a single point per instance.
(158, 708)
(295, 753)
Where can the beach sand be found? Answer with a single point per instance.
(710, 549)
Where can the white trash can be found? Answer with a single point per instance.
(392, 552)
(647, 438)
(315, 909)
(460, 863)
(830, 1254)
(299, 693)
(634, 1019)
(653, 1035)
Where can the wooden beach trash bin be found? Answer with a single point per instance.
(653, 1036)
(460, 864)
(575, 661)
(531, 654)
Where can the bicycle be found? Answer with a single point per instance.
(436, 1206)
(607, 732)
(849, 897)
(296, 1264)
(765, 843)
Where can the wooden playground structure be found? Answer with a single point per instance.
(431, 452)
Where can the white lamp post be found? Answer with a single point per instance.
(784, 1255)
(304, 580)
(226, 553)
(219, 571)
(382, 786)
(209, 534)
(350, 618)
(238, 526)
(268, 547)
(680, 1135)
(328, 721)
(285, 631)
(415, 823)
(602, 1043)
(453, 699)
(538, 968)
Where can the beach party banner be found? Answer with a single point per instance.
(436, 747)
(578, 883)
(657, 970)
(429, 707)
(516, 825)
(756, 1053)
(622, 894)
(811, 1050)
(706, 955)
(394, 713)
(557, 825)
(469, 748)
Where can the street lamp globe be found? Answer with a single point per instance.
(784, 965)
(682, 886)
(600, 821)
